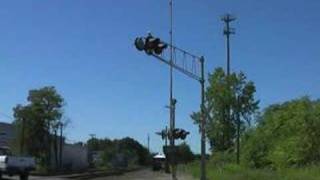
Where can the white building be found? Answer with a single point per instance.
(6, 134)
(74, 156)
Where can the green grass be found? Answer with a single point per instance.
(236, 172)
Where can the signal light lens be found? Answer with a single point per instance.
(139, 43)
(160, 47)
(150, 45)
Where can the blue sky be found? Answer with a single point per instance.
(85, 49)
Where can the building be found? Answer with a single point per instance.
(6, 134)
(74, 156)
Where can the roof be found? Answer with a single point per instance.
(159, 156)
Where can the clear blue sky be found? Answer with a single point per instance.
(85, 49)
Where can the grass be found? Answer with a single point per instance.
(236, 172)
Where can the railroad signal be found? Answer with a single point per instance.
(163, 134)
(197, 75)
(184, 134)
(160, 47)
(150, 45)
(139, 43)
(180, 134)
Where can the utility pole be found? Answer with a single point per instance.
(22, 138)
(61, 144)
(148, 139)
(56, 157)
(227, 19)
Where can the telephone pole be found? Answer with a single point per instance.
(22, 138)
(227, 19)
(61, 144)
(227, 31)
(148, 139)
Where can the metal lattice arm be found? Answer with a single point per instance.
(182, 61)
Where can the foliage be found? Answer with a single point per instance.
(222, 158)
(130, 148)
(36, 121)
(233, 171)
(284, 144)
(227, 99)
(95, 144)
(287, 135)
(184, 153)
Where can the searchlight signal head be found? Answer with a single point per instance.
(150, 45)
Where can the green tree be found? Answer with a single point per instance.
(287, 135)
(130, 148)
(229, 101)
(185, 154)
(95, 144)
(37, 121)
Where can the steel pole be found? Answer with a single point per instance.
(228, 48)
(203, 124)
(173, 156)
(61, 144)
(172, 119)
(22, 138)
(148, 143)
(167, 170)
(228, 71)
(238, 130)
(238, 138)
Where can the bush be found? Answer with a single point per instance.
(233, 171)
(185, 155)
(222, 158)
(287, 136)
(130, 149)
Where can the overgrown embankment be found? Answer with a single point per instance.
(284, 144)
(236, 172)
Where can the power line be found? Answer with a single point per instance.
(6, 116)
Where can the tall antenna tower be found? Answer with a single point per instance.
(148, 140)
(227, 31)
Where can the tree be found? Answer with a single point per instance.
(37, 121)
(185, 154)
(95, 144)
(230, 105)
(130, 148)
(287, 135)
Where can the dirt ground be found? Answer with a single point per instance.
(145, 174)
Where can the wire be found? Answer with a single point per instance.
(5, 115)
